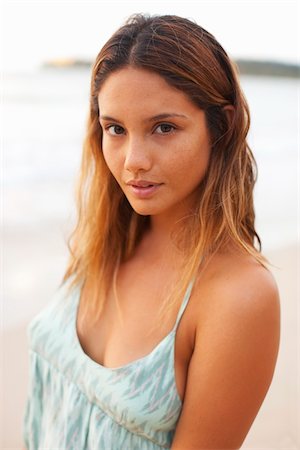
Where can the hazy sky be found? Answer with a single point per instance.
(35, 31)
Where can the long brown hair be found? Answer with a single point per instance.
(108, 230)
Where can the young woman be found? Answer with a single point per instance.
(165, 332)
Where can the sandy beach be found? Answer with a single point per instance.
(30, 283)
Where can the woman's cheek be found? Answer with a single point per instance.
(112, 163)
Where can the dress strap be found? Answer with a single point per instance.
(184, 302)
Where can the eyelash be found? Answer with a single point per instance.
(173, 128)
(114, 126)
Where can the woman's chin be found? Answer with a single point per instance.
(144, 210)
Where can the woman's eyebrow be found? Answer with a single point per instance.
(161, 116)
(109, 118)
(165, 116)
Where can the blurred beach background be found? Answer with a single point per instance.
(43, 115)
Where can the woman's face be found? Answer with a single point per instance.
(155, 141)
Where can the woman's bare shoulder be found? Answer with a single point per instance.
(235, 352)
(236, 290)
(236, 277)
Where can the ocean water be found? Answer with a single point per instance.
(44, 116)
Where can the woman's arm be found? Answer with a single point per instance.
(232, 365)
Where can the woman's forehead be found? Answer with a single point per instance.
(132, 89)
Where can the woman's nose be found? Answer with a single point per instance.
(137, 156)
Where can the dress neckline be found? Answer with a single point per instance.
(137, 360)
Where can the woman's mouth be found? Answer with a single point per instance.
(143, 189)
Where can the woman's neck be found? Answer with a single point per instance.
(163, 227)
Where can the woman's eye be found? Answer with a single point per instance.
(115, 130)
(165, 128)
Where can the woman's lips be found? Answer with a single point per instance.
(144, 190)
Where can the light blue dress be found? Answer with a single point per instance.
(75, 403)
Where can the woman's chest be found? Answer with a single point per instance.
(127, 329)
